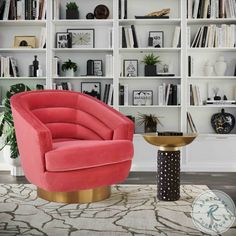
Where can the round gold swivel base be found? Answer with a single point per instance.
(81, 196)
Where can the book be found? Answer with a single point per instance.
(125, 9)
(126, 94)
(121, 94)
(195, 8)
(124, 42)
(176, 37)
(191, 95)
(190, 9)
(6, 9)
(2, 8)
(134, 36)
(160, 95)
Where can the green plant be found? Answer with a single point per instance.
(7, 130)
(69, 65)
(148, 120)
(150, 59)
(71, 6)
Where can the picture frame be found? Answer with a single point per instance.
(142, 97)
(130, 68)
(91, 88)
(157, 39)
(97, 68)
(25, 41)
(82, 38)
(63, 40)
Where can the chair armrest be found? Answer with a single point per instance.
(124, 131)
(34, 139)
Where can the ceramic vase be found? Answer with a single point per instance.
(70, 73)
(220, 67)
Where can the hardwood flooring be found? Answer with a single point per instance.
(225, 182)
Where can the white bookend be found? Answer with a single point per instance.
(190, 9)
(131, 39)
(126, 94)
(6, 10)
(195, 9)
(55, 67)
(110, 94)
(160, 95)
(176, 36)
(178, 94)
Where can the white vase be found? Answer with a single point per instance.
(220, 67)
(15, 165)
(70, 73)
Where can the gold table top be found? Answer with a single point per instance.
(169, 142)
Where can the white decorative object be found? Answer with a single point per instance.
(39, 71)
(70, 73)
(208, 69)
(16, 169)
(220, 67)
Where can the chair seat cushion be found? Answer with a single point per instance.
(81, 154)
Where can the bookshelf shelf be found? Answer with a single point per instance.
(218, 136)
(212, 106)
(95, 22)
(150, 22)
(212, 78)
(83, 78)
(206, 50)
(211, 21)
(21, 50)
(22, 23)
(148, 50)
(22, 78)
(152, 106)
(85, 50)
(150, 78)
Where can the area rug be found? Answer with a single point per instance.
(131, 210)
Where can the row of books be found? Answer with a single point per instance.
(215, 36)
(169, 94)
(195, 95)
(8, 67)
(191, 125)
(211, 9)
(108, 94)
(123, 9)
(22, 9)
(128, 37)
(62, 86)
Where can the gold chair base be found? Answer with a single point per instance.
(81, 196)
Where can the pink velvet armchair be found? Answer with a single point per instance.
(72, 146)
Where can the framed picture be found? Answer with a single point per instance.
(63, 40)
(130, 68)
(157, 39)
(97, 67)
(82, 38)
(142, 97)
(91, 88)
(25, 41)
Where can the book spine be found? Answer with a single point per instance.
(160, 95)
(126, 95)
(125, 10)
(6, 10)
(134, 36)
(121, 94)
(124, 44)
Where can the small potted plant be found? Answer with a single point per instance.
(150, 122)
(69, 67)
(7, 131)
(150, 61)
(72, 11)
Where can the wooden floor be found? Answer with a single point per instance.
(225, 182)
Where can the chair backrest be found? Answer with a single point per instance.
(72, 115)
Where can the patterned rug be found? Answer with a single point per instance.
(131, 210)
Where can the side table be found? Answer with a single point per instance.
(168, 163)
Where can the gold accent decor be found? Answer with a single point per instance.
(160, 13)
(169, 143)
(81, 196)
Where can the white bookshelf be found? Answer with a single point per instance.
(174, 117)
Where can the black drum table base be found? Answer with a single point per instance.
(168, 175)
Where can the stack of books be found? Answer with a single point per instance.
(191, 124)
(8, 67)
(22, 9)
(128, 37)
(108, 94)
(215, 36)
(195, 96)
(123, 94)
(211, 9)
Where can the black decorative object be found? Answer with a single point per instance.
(168, 175)
(222, 122)
(90, 16)
(72, 14)
(150, 70)
(101, 12)
(36, 65)
(90, 67)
